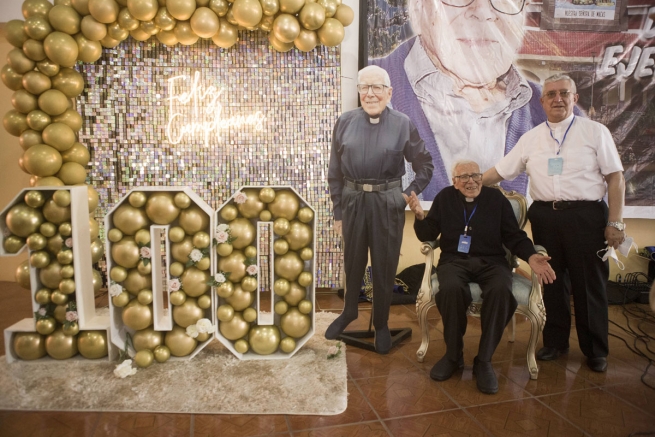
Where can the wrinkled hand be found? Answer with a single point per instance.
(337, 226)
(614, 237)
(415, 205)
(540, 266)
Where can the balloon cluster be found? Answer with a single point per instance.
(42, 221)
(131, 272)
(236, 283)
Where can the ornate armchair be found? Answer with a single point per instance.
(527, 292)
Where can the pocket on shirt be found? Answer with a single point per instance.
(394, 164)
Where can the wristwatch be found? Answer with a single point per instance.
(618, 225)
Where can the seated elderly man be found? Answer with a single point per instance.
(474, 223)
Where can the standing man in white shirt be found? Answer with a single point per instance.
(572, 163)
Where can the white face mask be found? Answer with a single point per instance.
(623, 249)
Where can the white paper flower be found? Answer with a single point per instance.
(195, 255)
(71, 316)
(124, 369)
(204, 326)
(222, 237)
(252, 270)
(145, 252)
(115, 290)
(220, 278)
(192, 331)
(223, 227)
(69, 242)
(42, 311)
(240, 197)
(174, 284)
(333, 350)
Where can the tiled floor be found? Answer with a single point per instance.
(393, 395)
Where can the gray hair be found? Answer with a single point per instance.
(462, 162)
(561, 76)
(374, 69)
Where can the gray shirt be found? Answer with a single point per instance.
(376, 152)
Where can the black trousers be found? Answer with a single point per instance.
(572, 238)
(454, 297)
(375, 221)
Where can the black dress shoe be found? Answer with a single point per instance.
(550, 353)
(382, 340)
(597, 364)
(485, 377)
(337, 327)
(445, 368)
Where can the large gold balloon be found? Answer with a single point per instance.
(13, 80)
(164, 20)
(296, 294)
(180, 251)
(284, 205)
(54, 213)
(92, 29)
(193, 219)
(23, 220)
(58, 135)
(264, 340)
(136, 315)
(243, 231)
(226, 36)
(42, 160)
(194, 281)
(235, 328)
(299, 235)
(22, 275)
(61, 346)
(204, 22)
(331, 33)
(93, 344)
(65, 19)
(15, 33)
(15, 123)
(125, 253)
(88, 51)
(37, 120)
(31, 8)
(167, 37)
(61, 48)
(69, 82)
(37, 27)
(252, 206)
(295, 324)
(181, 9)
(104, 11)
(247, 13)
(240, 299)
(72, 119)
(288, 266)
(136, 281)
(179, 343)
(146, 339)
(344, 14)
(161, 209)
(143, 10)
(34, 50)
(29, 345)
(188, 313)
(20, 63)
(286, 28)
(126, 20)
(24, 101)
(234, 263)
(129, 219)
(307, 40)
(72, 173)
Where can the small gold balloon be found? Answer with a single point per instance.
(65, 257)
(277, 44)
(240, 299)
(93, 344)
(144, 358)
(224, 249)
(179, 343)
(281, 307)
(249, 283)
(264, 340)
(67, 286)
(146, 339)
(20, 63)
(15, 32)
(267, 194)
(201, 240)
(69, 82)
(176, 269)
(114, 235)
(121, 300)
(234, 264)
(176, 234)
(40, 259)
(42, 296)
(144, 297)
(224, 313)
(162, 353)
(65, 229)
(306, 253)
(229, 212)
(142, 237)
(72, 173)
(296, 294)
(305, 279)
(53, 102)
(226, 37)
(250, 314)
(97, 250)
(72, 119)
(62, 197)
(241, 346)
(294, 323)
(193, 219)
(226, 289)
(270, 7)
(47, 67)
(24, 101)
(177, 297)
(285, 28)
(65, 19)
(126, 20)
(67, 272)
(136, 281)
(46, 326)
(305, 306)
(143, 10)
(92, 194)
(138, 34)
(89, 51)
(202, 336)
(204, 22)
(285, 205)
(14, 244)
(37, 27)
(32, 8)
(281, 226)
(265, 216)
(181, 9)
(71, 328)
(287, 345)
(344, 14)
(36, 82)
(235, 328)
(137, 316)
(104, 11)
(312, 16)
(280, 246)
(281, 286)
(137, 199)
(161, 209)
(307, 40)
(125, 253)
(36, 120)
(180, 251)
(204, 264)
(204, 301)
(331, 33)
(34, 199)
(305, 214)
(247, 13)
(61, 346)
(50, 276)
(29, 345)
(14, 80)
(60, 313)
(164, 20)
(181, 200)
(184, 33)
(250, 252)
(129, 219)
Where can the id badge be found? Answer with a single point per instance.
(555, 166)
(464, 244)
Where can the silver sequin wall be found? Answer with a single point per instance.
(129, 99)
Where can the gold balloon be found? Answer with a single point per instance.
(296, 294)
(299, 235)
(180, 251)
(270, 8)
(65, 19)
(135, 281)
(281, 287)
(306, 253)
(72, 119)
(125, 253)
(88, 51)
(16, 123)
(161, 209)
(13, 80)
(149, 27)
(37, 120)
(281, 226)
(45, 326)
(176, 269)
(204, 22)
(249, 284)
(294, 323)
(184, 33)
(138, 34)
(179, 344)
(62, 48)
(142, 237)
(234, 328)
(250, 252)
(48, 229)
(305, 306)
(30, 138)
(49, 181)
(305, 279)
(93, 344)
(305, 214)
(42, 160)
(162, 353)
(344, 14)
(39, 259)
(224, 313)
(34, 50)
(47, 67)
(80, 154)
(24, 102)
(194, 282)
(62, 198)
(129, 219)
(176, 234)
(252, 206)
(331, 33)
(164, 20)
(291, 6)
(61, 346)
(144, 297)
(143, 10)
(118, 274)
(20, 63)
(201, 240)
(229, 212)
(71, 329)
(233, 263)
(247, 13)
(144, 358)
(181, 9)
(280, 246)
(240, 299)
(31, 8)
(126, 20)
(307, 40)
(226, 37)
(137, 199)
(92, 29)
(181, 200)
(104, 11)
(288, 266)
(330, 6)
(72, 173)
(23, 220)
(243, 231)
(265, 216)
(193, 219)
(42, 296)
(241, 346)
(287, 345)
(15, 32)
(137, 316)
(285, 28)
(284, 205)
(167, 37)
(69, 82)
(58, 135)
(226, 289)
(37, 27)
(67, 272)
(177, 297)
(29, 345)
(50, 276)
(146, 339)
(264, 340)
(250, 314)
(65, 257)
(54, 244)
(67, 286)
(14, 244)
(204, 301)
(224, 249)
(114, 235)
(188, 313)
(92, 196)
(281, 307)
(60, 313)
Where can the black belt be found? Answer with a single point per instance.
(359, 186)
(566, 204)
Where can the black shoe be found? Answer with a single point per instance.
(485, 377)
(337, 327)
(597, 364)
(445, 368)
(382, 340)
(550, 353)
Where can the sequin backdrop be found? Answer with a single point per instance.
(125, 107)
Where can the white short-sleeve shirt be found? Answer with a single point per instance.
(588, 153)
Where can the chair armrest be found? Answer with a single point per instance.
(425, 292)
(427, 246)
(536, 294)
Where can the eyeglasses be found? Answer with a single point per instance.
(509, 7)
(377, 89)
(477, 177)
(562, 93)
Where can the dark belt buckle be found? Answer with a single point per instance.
(556, 203)
(367, 187)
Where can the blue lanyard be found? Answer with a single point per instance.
(467, 220)
(565, 134)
